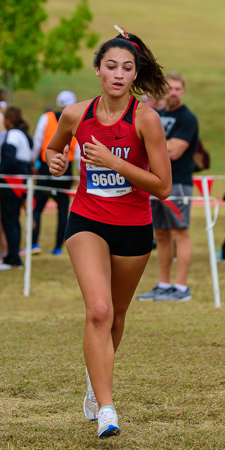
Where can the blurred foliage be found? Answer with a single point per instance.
(65, 40)
(26, 50)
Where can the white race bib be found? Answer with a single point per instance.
(105, 182)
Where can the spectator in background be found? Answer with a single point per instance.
(3, 106)
(15, 159)
(171, 221)
(45, 129)
(157, 104)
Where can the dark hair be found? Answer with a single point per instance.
(150, 78)
(15, 115)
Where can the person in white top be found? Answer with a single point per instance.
(15, 160)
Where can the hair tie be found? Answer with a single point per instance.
(126, 35)
(134, 43)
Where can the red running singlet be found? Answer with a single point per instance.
(104, 195)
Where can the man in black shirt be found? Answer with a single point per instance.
(171, 220)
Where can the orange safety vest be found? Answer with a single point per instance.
(50, 129)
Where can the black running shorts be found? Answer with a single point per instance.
(122, 240)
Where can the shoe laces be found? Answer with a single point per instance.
(106, 416)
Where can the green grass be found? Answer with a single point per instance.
(187, 36)
(169, 384)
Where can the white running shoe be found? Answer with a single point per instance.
(90, 405)
(4, 266)
(107, 422)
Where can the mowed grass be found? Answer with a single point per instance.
(187, 36)
(169, 383)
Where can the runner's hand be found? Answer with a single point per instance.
(59, 163)
(97, 154)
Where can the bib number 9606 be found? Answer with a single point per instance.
(110, 179)
(105, 182)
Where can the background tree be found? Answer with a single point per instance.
(26, 50)
(65, 40)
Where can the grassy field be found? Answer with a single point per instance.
(169, 383)
(184, 35)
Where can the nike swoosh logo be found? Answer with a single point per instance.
(121, 137)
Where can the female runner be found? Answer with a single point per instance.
(109, 231)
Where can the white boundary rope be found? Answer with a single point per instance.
(30, 187)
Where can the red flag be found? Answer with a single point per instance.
(198, 183)
(19, 181)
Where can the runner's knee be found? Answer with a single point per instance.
(180, 234)
(100, 313)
